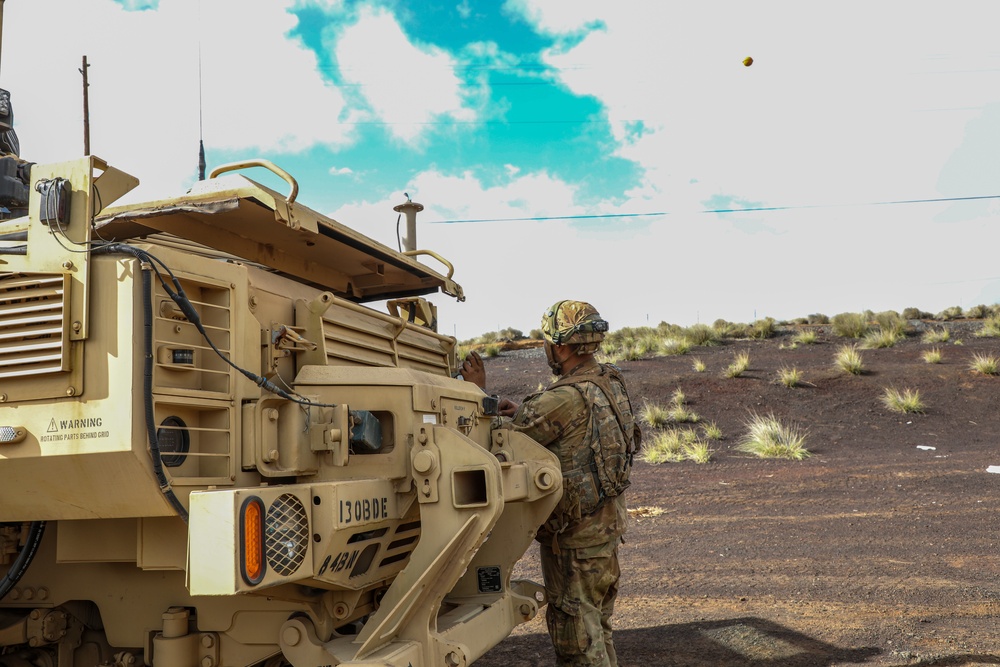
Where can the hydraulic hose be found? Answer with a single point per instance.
(147, 372)
(23, 560)
(147, 391)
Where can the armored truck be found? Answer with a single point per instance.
(215, 451)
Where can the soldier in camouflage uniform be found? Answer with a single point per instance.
(586, 419)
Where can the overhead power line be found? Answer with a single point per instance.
(749, 209)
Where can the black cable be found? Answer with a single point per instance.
(23, 560)
(749, 209)
(147, 386)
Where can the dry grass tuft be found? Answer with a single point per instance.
(932, 356)
(990, 328)
(806, 337)
(986, 364)
(676, 445)
(790, 377)
(934, 336)
(646, 512)
(849, 360)
(654, 415)
(711, 431)
(739, 365)
(880, 338)
(906, 401)
(768, 438)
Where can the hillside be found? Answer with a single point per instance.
(878, 549)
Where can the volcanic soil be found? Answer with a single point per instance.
(878, 549)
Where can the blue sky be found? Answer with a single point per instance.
(586, 138)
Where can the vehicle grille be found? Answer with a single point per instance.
(33, 333)
(286, 534)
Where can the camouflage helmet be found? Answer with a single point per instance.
(574, 323)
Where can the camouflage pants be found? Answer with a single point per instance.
(582, 585)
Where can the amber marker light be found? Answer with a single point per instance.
(252, 540)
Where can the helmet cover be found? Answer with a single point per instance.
(573, 323)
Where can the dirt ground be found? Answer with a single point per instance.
(879, 549)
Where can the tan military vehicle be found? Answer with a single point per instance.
(212, 454)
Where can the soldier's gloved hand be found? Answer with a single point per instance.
(473, 370)
(508, 407)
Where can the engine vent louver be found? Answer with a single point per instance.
(286, 534)
(33, 332)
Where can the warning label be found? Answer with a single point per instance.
(73, 429)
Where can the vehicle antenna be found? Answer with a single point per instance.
(201, 134)
(1, 29)
(86, 108)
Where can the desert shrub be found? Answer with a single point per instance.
(936, 336)
(849, 360)
(731, 330)
(817, 318)
(987, 364)
(510, 333)
(536, 334)
(890, 320)
(698, 365)
(614, 357)
(990, 328)
(492, 350)
(739, 330)
(702, 334)
(790, 377)
(932, 356)
(880, 338)
(768, 438)
(633, 352)
(762, 329)
(916, 314)
(906, 401)
(850, 325)
(979, 312)
(738, 366)
(952, 313)
(665, 329)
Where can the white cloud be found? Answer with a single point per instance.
(835, 107)
(406, 86)
(260, 91)
(561, 17)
